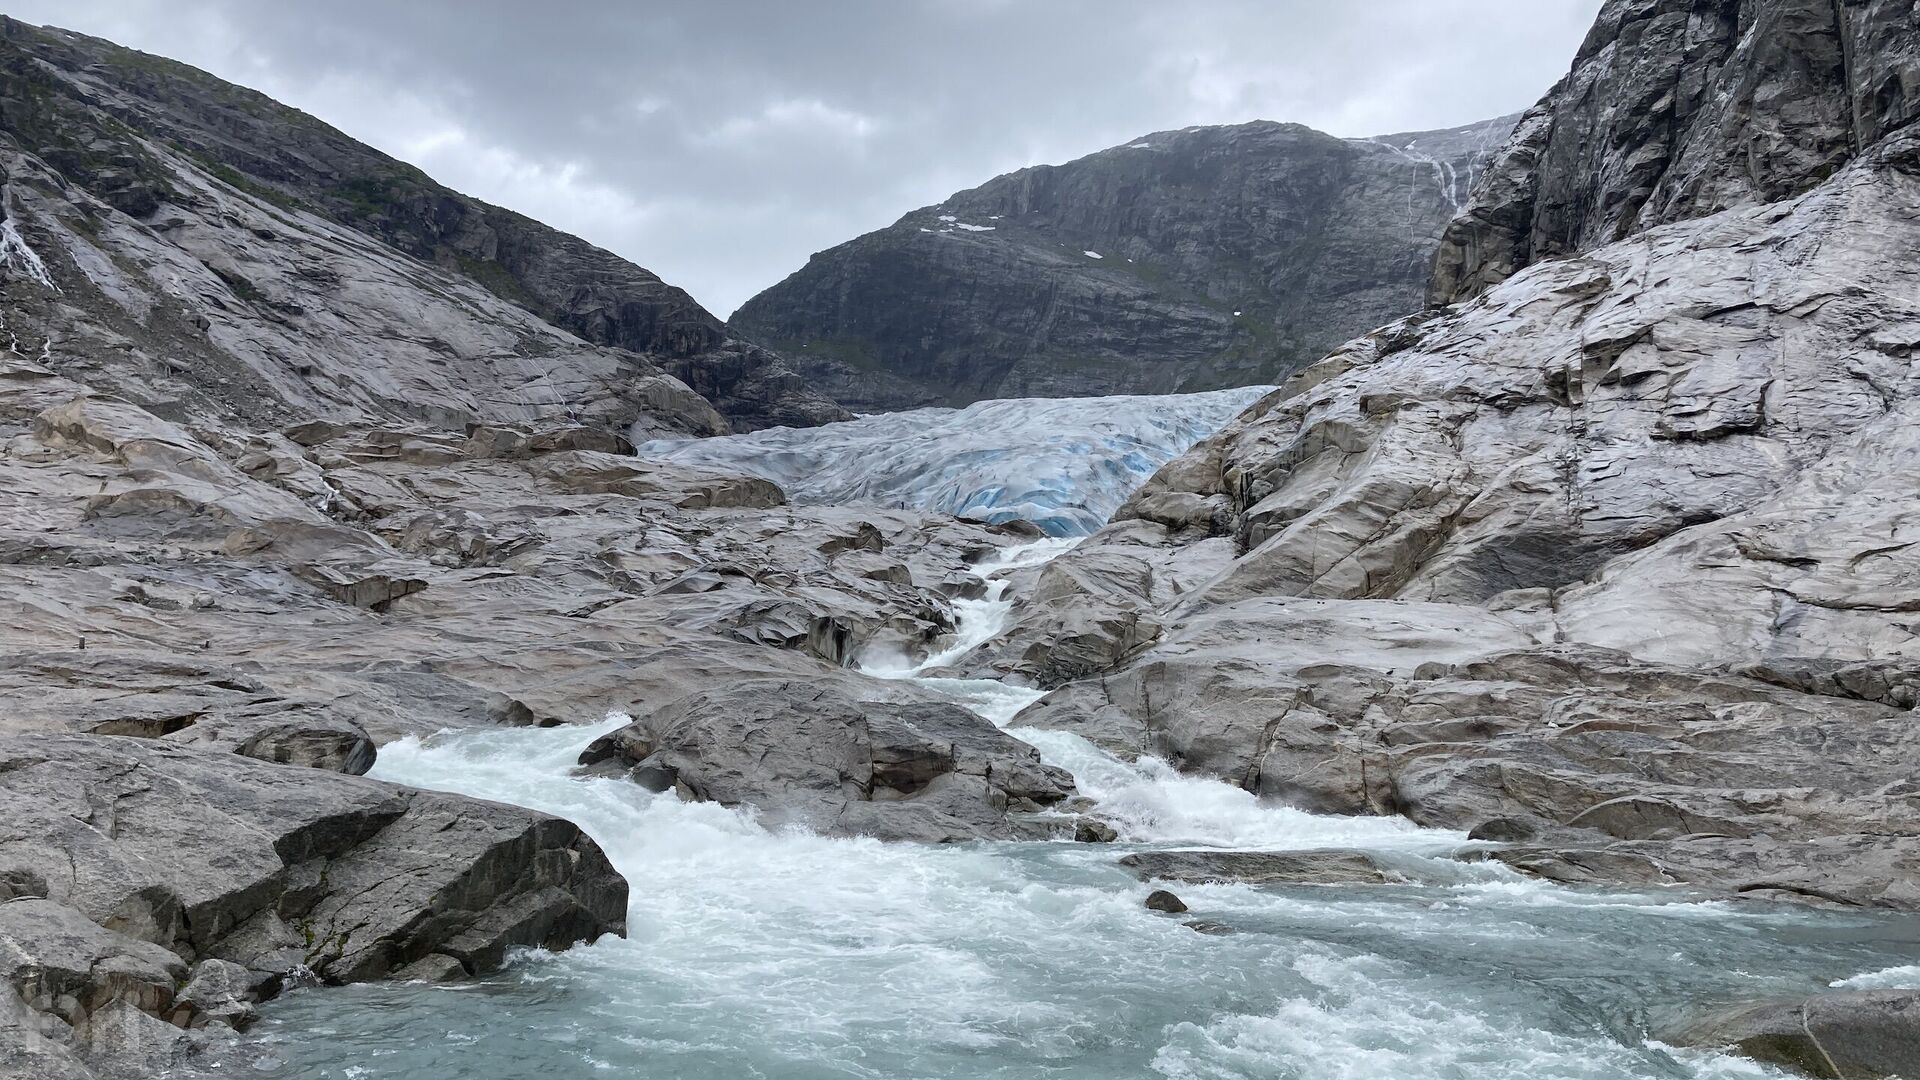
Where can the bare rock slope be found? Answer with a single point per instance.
(1612, 561)
(238, 247)
(301, 453)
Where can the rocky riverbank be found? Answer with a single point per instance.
(1609, 561)
(1605, 566)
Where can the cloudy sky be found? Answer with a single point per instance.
(720, 142)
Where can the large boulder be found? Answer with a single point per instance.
(1857, 1035)
(212, 856)
(813, 755)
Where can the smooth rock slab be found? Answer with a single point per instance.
(211, 855)
(1264, 867)
(1863, 1035)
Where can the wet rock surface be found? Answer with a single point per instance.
(1861, 1035)
(1605, 564)
(809, 754)
(1264, 867)
(1164, 901)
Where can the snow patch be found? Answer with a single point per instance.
(1140, 146)
(1093, 255)
(973, 228)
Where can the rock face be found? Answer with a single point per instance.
(1264, 867)
(1864, 1035)
(1596, 559)
(208, 628)
(808, 754)
(124, 862)
(1187, 260)
(293, 464)
(1676, 109)
(261, 263)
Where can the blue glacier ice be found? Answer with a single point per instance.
(1065, 464)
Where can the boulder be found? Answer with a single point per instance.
(812, 755)
(1857, 1035)
(1162, 900)
(272, 867)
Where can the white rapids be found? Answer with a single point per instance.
(789, 956)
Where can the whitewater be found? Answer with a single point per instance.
(754, 952)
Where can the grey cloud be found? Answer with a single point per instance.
(721, 143)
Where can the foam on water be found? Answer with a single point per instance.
(1904, 977)
(1147, 800)
(755, 953)
(782, 954)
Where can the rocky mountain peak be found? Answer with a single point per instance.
(1180, 261)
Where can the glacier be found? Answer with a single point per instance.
(1064, 464)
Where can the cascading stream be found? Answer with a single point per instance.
(785, 955)
(754, 953)
(1147, 800)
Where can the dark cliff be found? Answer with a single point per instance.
(1676, 109)
(1185, 260)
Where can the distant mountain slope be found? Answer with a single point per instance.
(1185, 260)
(122, 125)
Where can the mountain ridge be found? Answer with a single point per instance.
(1183, 260)
(87, 103)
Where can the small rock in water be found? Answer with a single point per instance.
(1162, 900)
(1209, 927)
(1094, 831)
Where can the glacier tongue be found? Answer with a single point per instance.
(1064, 464)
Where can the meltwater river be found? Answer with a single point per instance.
(788, 956)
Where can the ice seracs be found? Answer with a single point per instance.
(1063, 463)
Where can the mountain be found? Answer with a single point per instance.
(1676, 111)
(1185, 260)
(301, 453)
(261, 231)
(1610, 559)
